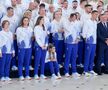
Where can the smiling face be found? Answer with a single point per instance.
(10, 12)
(25, 22)
(5, 25)
(95, 15)
(75, 5)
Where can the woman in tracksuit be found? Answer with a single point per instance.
(24, 35)
(51, 62)
(6, 50)
(81, 42)
(41, 43)
(71, 49)
(58, 36)
(90, 35)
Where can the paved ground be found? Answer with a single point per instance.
(92, 83)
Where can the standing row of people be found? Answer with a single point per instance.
(74, 32)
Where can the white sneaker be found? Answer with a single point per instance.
(31, 68)
(102, 64)
(28, 78)
(8, 79)
(36, 77)
(67, 75)
(43, 76)
(76, 75)
(87, 74)
(14, 68)
(93, 73)
(54, 77)
(59, 76)
(3, 79)
(21, 78)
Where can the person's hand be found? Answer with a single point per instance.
(14, 36)
(0, 54)
(77, 40)
(44, 47)
(13, 54)
(62, 30)
(106, 41)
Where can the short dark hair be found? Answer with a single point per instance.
(4, 22)
(75, 1)
(88, 5)
(94, 11)
(42, 5)
(9, 8)
(72, 15)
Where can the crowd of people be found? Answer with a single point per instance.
(53, 36)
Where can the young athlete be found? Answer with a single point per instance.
(58, 36)
(24, 35)
(6, 50)
(71, 47)
(51, 61)
(41, 43)
(90, 36)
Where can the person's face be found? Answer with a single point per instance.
(60, 10)
(95, 15)
(73, 18)
(57, 15)
(25, 22)
(10, 12)
(89, 9)
(84, 3)
(65, 4)
(100, 9)
(32, 6)
(6, 25)
(36, 4)
(103, 18)
(51, 8)
(74, 5)
(14, 2)
(53, 49)
(42, 11)
(42, 21)
(100, 4)
(28, 14)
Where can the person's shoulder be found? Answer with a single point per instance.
(19, 28)
(37, 28)
(99, 23)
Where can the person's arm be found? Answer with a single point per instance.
(38, 36)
